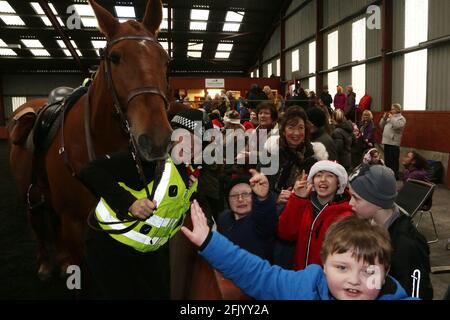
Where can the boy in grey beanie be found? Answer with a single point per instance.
(374, 190)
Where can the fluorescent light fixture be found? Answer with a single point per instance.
(231, 27)
(6, 7)
(40, 52)
(12, 20)
(32, 43)
(222, 55)
(234, 16)
(195, 46)
(197, 25)
(225, 47)
(199, 14)
(125, 12)
(194, 54)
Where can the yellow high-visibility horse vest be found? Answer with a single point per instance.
(172, 200)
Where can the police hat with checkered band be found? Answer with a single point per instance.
(190, 119)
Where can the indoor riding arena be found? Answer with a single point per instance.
(224, 150)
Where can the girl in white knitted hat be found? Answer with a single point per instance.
(318, 200)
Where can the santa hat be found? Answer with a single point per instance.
(333, 167)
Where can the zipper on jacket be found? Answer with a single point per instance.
(310, 234)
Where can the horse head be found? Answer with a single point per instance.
(136, 66)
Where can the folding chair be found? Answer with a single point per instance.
(417, 196)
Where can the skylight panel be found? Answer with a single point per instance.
(40, 52)
(231, 27)
(195, 46)
(6, 7)
(234, 16)
(125, 12)
(225, 47)
(197, 25)
(66, 51)
(12, 20)
(165, 45)
(98, 44)
(199, 14)
(222, 55)
(194, 54)
(165, 22)
(32, 43)
(87, 15)
(37, 8)
(6, 51)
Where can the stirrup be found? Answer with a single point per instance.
(35, 205)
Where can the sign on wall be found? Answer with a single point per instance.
(214, 83)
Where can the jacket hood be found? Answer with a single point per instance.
(346, 125)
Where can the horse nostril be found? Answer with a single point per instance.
(144, 143)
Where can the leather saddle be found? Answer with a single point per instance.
(49, 118)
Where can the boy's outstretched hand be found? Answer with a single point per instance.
(301, 188)
(200, 229)
(259, 184)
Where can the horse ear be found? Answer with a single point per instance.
(153, 16)
(107, 23)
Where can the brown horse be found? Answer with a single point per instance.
(132, 77)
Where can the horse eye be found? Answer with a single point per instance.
(115, 57)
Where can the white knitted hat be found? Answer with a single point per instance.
(333, 167)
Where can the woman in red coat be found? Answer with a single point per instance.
(318, 200)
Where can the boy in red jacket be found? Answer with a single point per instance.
(318, 200)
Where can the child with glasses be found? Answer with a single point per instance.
(251, 219)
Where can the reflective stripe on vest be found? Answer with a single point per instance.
(166, 220)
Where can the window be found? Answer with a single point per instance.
(252, 75)
(333, 55)
(415, 88)
(333, 82)
(295, 60)
(359, 80)
(257, 73)
(278, 68)
(312, 84)
(416, 22)
(312, 57)
(269, 69)
(17, 102)
(359, 40)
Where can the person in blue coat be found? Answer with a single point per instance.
(356, 260)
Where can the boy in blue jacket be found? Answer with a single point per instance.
(356, 258)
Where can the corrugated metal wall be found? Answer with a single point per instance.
(304, 59)
(335, 10)
(398, 73)
(373, 43)
(273, 46)
(345, 43)
(438, 18)
(438, 95)
(345, 78)
(373, 84)
(399, 24)
(294, 5)
(301, 25)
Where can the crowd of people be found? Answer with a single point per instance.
(328, 212)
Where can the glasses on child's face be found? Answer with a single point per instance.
(244, 195)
